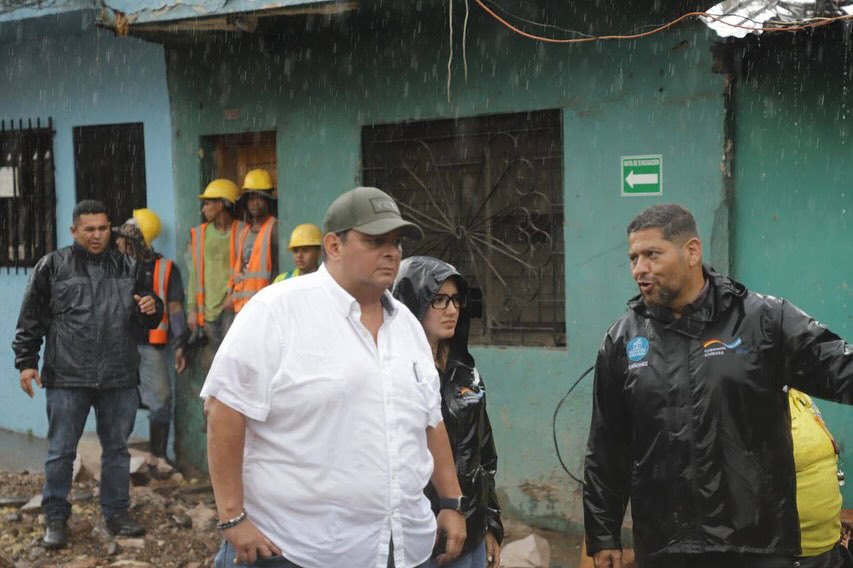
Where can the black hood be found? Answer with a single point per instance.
(418, 281)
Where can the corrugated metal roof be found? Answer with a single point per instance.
(737, 18)
(150, 11)
(172, 17)
(16, 10)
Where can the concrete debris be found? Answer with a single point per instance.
(14, 501)
(130, 543)
(203, 517)
(82, 562)
(33, 506)
(36, 552)
(79, 525)
(532, 551)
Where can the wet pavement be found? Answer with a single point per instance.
(19, 452)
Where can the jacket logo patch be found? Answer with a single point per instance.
(470, 395)
(717, 347)
(637, 349)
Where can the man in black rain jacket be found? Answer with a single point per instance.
(690, 418)
(90, 301)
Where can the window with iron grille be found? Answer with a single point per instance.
(27, 197)
(488, 193)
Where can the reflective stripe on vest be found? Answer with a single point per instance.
(197, 245)
(258, 272)
(160, 335)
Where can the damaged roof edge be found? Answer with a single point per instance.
(738, 18)
(47, 8)
(161, 11)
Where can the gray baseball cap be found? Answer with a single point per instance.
(370, 211)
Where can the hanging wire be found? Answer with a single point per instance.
(554, 424)
(792, 26)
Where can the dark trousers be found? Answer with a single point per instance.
(67, 410)
(718, 560)
(830, 559)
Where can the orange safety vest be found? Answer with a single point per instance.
(258, 272)
(160, 335)
(197, 238)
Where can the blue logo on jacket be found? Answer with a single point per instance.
(637, 348)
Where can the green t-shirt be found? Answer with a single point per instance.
(217, 271)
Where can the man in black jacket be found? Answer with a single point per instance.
(90, 302)
(690, 416)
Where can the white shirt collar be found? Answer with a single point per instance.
(343, 301)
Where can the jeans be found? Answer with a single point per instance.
(474, 559)
(225, 559)
(155, 381)
(67, 410)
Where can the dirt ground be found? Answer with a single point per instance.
(177, 513)
(164, 507)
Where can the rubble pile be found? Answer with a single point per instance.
(178, 515)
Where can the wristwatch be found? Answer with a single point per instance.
(453, 503)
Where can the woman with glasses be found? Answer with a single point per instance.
(437, 294)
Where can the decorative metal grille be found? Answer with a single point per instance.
(27, 197)
(488, 193)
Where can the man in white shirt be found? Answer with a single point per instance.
(324, 418)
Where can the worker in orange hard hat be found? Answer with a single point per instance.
(257, 244)
(162, 350)
(214, 251)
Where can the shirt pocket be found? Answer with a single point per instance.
(418, 395)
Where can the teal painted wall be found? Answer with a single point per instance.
(66, 68)
(793, 198)
(317, 90)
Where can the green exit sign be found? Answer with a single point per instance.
(642, 175)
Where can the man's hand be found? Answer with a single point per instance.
(249, 543)
(180, 360)
(146, 304)
(27, 378)
(608, 558)
(493, 550)
(451, 528)
(192, 322)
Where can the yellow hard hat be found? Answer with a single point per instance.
(306, 235)
(149, 224)
(221, 189)
(258, 180)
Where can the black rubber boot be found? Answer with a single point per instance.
(122, 524)
(158, 438)
(55, 534)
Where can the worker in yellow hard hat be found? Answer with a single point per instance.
(305, 246)
(257, 244)
(162, 349)
(214, 251)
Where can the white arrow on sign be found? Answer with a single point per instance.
(641, 179)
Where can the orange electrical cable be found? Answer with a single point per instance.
(816, 23)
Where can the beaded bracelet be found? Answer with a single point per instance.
(231, 522)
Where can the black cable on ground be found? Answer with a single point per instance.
(554, 423)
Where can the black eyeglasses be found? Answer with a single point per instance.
(441, 301)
